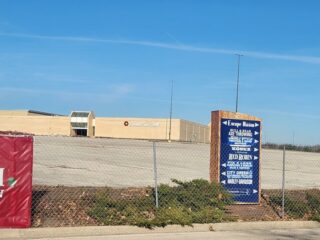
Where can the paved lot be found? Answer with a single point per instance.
(121, 163)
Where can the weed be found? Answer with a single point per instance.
(295, 208)
(314, 203)
(307, 205)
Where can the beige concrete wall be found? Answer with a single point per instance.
(38, 125)
(20, 113)
(90, 132)
(139, 128)
(152, 128)
(194, 132)
(14, 113)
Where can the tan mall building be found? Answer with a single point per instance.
(85, 123)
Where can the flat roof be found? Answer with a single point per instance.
(44, 113)
(26, 111)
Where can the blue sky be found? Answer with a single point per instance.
(118, 58)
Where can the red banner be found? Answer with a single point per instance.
(16, 156)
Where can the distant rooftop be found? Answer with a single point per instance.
(82, 113)
(44, 113)
(26, 112)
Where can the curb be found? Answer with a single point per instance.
(35, 233)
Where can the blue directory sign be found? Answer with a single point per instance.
(239, 159)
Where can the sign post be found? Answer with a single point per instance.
(16, 156)
(235, 154)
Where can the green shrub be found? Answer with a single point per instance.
(172, 215)
(119, 212)
(196, 201)
(195, 194)
(208, 215)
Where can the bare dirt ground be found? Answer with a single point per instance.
(129, 163)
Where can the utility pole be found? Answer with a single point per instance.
(170, 121)
(293, 137)
(238, 75)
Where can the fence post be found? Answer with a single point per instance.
(155, 172)
(283, 179)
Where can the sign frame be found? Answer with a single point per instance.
(216, 147)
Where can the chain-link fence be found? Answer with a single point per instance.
(85, 181)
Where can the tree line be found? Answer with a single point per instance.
(303, 148)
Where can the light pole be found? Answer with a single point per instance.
(170, 120)
(293, 135)
(238, 75)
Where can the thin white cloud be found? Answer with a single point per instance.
(43, 77)
(112, 93)
(122, 89)
(289, 114)
(181, 47)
